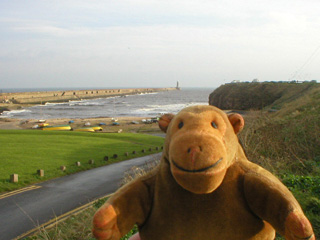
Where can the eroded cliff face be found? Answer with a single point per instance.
(255, 96)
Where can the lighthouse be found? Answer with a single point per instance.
(177, 87)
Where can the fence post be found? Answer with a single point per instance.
(91, 161)
(14, 178)
(40, 172)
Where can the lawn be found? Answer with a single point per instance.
(23, 152)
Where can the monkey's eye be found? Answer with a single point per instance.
(213, 124)
(180, 125)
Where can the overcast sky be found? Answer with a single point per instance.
(155, 43)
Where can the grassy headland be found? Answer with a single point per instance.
(25, 151)
(256, 96)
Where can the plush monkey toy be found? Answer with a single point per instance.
(204, 188)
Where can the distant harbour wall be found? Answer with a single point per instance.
(65, 96)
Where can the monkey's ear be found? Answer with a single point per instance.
(164, 121)
(236, 121)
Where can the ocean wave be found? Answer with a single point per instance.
(52, 104)
(90, 104)
(145, 93)
(165, 108)
(14, 113)
(62, 109)
(18, 111)
(120, 103)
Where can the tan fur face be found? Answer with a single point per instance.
(200, 146)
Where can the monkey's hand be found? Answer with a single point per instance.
(105, 224)
(298, 227)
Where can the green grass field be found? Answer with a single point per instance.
(23, 152)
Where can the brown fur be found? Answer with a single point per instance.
(204, 188)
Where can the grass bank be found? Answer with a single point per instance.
(287, 143)
(23, 152)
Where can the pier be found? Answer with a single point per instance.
(65, 96)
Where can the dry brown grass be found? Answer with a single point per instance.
(76, 227)
(283, 143)
(136, 172)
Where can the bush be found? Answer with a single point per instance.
(303, 183)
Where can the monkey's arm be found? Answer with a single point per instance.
(128, 206)
(271, 201)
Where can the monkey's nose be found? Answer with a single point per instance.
(195, 149)
(192, 151)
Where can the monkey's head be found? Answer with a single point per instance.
(200, 145)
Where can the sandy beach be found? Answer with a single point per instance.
(125, 124)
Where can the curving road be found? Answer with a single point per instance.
(42, 202)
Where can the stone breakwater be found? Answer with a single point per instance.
(65, 96)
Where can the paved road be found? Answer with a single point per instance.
(24, 211)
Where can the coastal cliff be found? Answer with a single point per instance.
(255, 96)
(64, 96)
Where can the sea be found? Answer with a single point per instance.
(140, 105)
